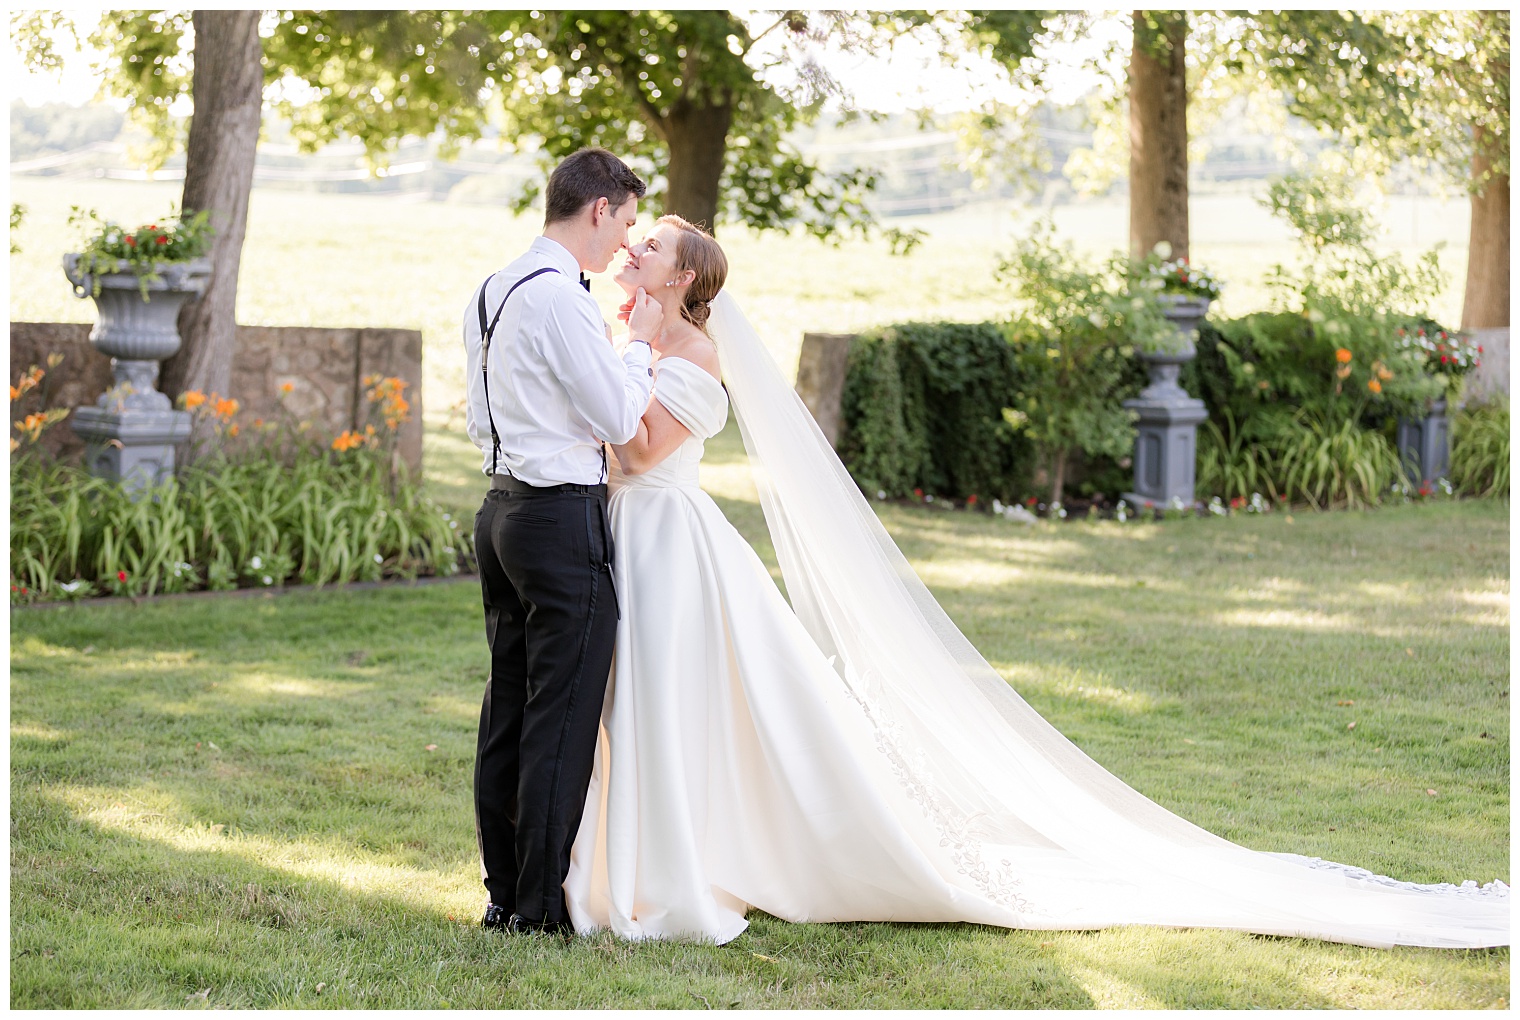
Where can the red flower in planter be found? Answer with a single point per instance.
(121, 575)
(131, 241)
(162, 239)
(919, 493)
(971, 500)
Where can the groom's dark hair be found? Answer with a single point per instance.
(585, 176)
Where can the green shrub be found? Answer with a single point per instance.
(923, 408)
(1480, 450)
(256, 520)
(1328, 463)
(1229, 465)
(1074, 341)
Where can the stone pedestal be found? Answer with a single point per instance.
(1425, 445)
(132, 447)
(821, 368)
(131, 431)
(1166, 446)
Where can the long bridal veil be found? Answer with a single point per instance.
(1030, 822)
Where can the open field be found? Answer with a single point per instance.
(233, 801)
(344, 260)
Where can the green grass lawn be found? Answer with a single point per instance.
(265, 801)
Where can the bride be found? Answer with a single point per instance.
(850, 756)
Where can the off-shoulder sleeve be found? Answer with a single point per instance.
(691, 395)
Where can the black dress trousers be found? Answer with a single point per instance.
(551, 621)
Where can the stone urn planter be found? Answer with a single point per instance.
(1166, 444)
(1425, 444)
(131, 432)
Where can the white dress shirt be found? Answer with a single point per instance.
(557, 387)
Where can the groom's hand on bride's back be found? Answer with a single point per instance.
(644, 316)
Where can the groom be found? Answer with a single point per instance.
(544, 389)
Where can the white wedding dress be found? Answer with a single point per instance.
(850, 757)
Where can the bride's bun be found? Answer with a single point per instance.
(696, 250)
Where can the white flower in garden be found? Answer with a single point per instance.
(268, 579)
(70, 587)
(1097, 319)
(379, 558)
(256, 563)
(1163, 249)
(881, 493)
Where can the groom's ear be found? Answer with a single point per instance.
(600, 209)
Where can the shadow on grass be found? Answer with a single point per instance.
(105, 918)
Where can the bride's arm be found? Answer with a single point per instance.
(658, 437)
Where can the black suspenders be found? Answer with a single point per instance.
(485, 352)
(485, 349)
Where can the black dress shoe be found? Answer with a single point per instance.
(496, 919)
(522, 926)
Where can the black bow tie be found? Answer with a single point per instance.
(586, 283)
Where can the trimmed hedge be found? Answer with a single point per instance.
(923, 408)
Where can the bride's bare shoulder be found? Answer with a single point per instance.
(697, 347)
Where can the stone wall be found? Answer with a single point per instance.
(1490, 380)
(325, 368)
(821, 368)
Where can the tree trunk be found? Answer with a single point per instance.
(1485, 301)
(1158, 184)
(698, 139)
(1058, 476)
(228, 89)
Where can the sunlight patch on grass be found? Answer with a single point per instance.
(1109, 992)
(301, 687)
(1494, 606)
(150, 814)
(459, 708)
(1277, 589)
(1304, 619)
(37, 732)
(1077, 684)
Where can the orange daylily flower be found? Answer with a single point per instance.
(287, 387)
(1342, 355)
(192, 399)
(1374, 386)
(347, 441)
(226, 408)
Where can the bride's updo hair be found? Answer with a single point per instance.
(696, 250)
